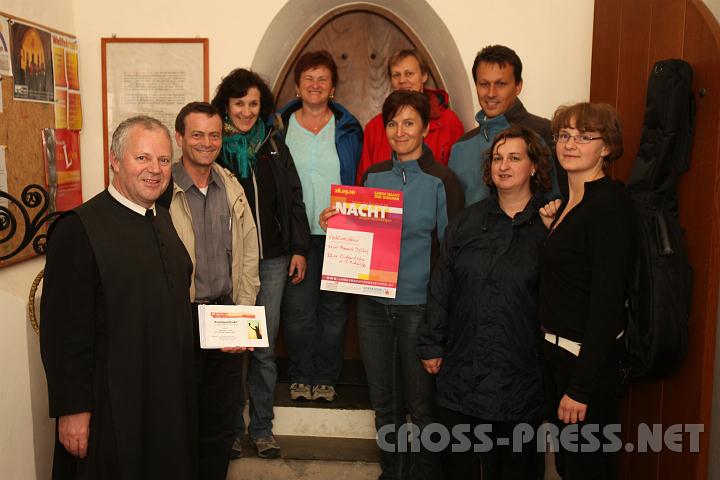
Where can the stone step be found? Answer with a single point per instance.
(323, 440)
(295, 447)
(319, 440)
(349, 416)
(324, 422)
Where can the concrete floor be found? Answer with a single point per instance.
(281, 469)
(309, 456)
(254, 468)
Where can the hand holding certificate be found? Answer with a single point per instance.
(223, 326)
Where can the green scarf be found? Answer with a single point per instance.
(239, 148)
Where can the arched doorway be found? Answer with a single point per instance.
(360, 41)
(299, 23)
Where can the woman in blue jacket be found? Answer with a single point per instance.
(325, 141)
(386, 326)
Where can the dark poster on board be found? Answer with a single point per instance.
(32, 63)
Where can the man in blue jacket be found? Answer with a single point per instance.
(497, 72)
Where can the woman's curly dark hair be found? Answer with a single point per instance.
(538, 152)
(236, 85)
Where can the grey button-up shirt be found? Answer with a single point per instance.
(211, 225)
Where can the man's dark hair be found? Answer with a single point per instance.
(236, 85)
(310, 60)
(405, 98)
(501, 56)
(194, 107)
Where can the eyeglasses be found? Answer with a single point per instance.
(563, 137)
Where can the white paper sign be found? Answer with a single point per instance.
(5, 68)
(347, 253)
(232, 326)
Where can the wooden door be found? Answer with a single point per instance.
(629, 36)
(360, 42)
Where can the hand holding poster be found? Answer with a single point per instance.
(362, 247)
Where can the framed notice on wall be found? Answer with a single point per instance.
(150, 76)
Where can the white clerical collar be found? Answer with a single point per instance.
(140, 210)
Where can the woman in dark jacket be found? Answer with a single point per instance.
(586, 262)
(481, 334)
(259, 158)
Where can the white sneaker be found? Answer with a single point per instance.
(300, 391)
(324, 392)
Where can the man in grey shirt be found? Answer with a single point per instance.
(208, 210)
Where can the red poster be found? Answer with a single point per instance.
(62, 167)
(362, 247)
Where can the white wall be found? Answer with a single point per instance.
(714, 6)
(56, 14)
(234, 35)
(27, 433)
(552, 37)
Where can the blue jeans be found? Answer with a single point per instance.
(397, 382)
(262, 373)
(314, 324)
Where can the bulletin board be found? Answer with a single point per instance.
(21, 125)
(150, 76)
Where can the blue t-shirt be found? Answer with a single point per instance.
(318, 166)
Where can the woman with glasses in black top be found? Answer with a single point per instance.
(584, 269)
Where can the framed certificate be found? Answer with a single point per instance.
(150, 76)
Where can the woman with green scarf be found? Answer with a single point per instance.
(261, 161)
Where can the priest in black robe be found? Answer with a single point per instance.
(116, 328)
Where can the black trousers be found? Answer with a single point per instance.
(603, 409)
(219, 377)
(514, 461)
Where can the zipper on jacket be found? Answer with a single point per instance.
(257, 213)
(403, 175)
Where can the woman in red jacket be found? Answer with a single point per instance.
(409, 71)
